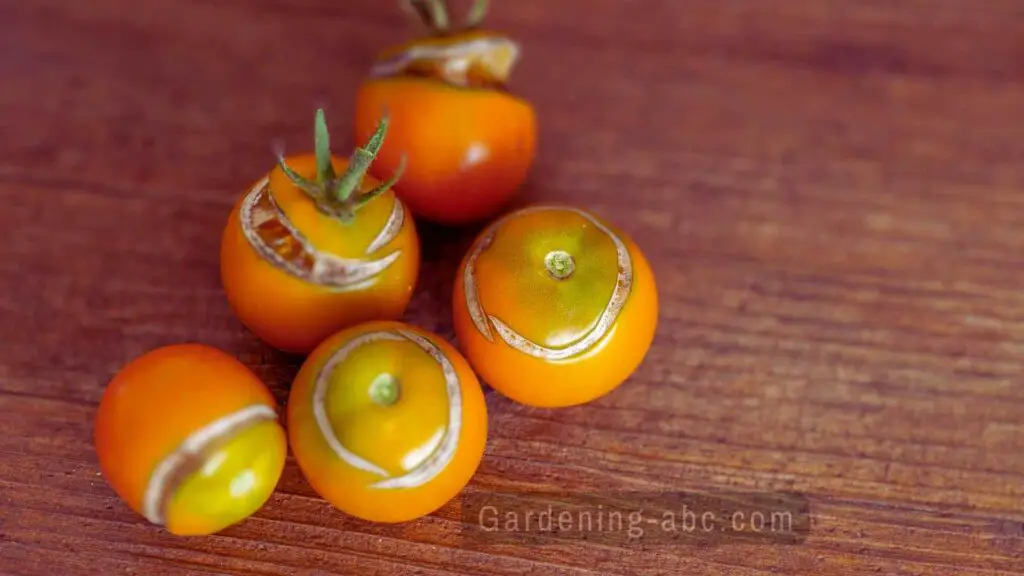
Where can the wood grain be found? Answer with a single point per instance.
(829, 192)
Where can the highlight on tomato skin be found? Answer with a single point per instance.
(470, 141)
(318, 244)
(387, 421)
(554, 307)
(189, 438)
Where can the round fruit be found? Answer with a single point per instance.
(387, 422)
(554, 307)
(317, 246)
(469, 140)
(188, 436)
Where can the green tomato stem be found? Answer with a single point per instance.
(334, 194)
(322, 140)
(477, 13)
(436, 14)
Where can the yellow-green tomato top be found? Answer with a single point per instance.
(386, 421)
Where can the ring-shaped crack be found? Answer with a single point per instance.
(484, 321)
(276, 239)
(445, 451)
(190, 456)
(456, 61)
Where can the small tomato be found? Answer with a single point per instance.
(553, 307)
(317, 245)
(189, 437)
(387, 422)
(469, 140)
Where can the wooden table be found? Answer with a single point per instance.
(830, 193)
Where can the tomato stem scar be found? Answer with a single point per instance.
(384, 390)
(559, 264)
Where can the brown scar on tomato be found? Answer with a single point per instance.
(274, 238)
(390, 230)
(471, 60)
(441, 456)
(191, 455)
(484, 321)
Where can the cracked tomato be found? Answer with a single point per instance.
(189, 437)
(554, 307)
(470, 142)
(318, 245)
(387, 421)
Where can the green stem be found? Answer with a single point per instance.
(436, 14)
(477, 13)
(322, 139)
(383, 187)
(337, 195)
(360, 163)
(432, 13)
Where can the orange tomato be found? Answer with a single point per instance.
(189, 437)
(469, 140)
(318, 245)
(387, 421)
(554, 307)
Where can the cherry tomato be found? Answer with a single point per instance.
(387, 421)
(469, 140)
(318, 245)
(554, 307)
(189, 437)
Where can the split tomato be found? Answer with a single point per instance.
(189, 437)
(554, 307)
(318, 245)
(387, 421)
(469, 140)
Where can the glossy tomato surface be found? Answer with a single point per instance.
(387, 421)
(554, 307)
(189, 438)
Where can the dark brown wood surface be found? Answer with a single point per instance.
(831, 193)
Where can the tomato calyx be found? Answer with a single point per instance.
(436, 14)
(336, 194)
(279, 240)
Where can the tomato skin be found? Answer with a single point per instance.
(294, 314)
(469, 150)
(543, 382)
(383, 435)
(165, 396)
